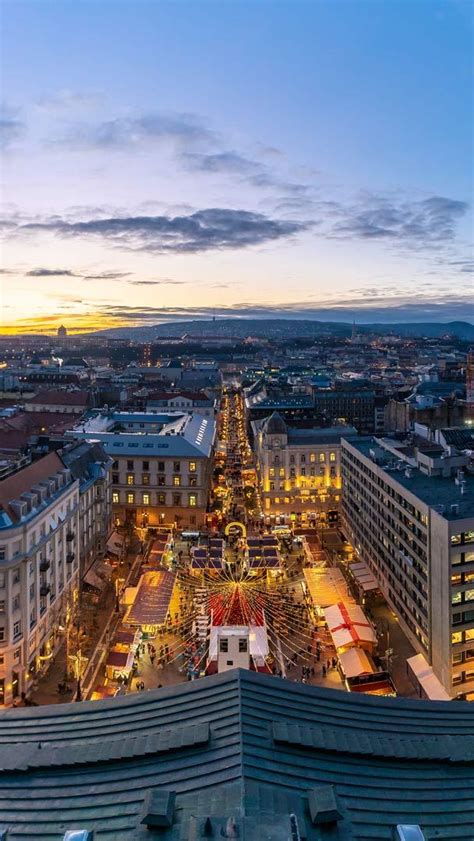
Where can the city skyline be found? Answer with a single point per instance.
(301, 160)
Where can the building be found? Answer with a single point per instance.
(39, 569)
(91, 466)
(408, 510)
(196, 402)
(70, 402)
(162, 464)
(239, 755)
(62, 332)
(299, 469)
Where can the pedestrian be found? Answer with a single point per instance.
(152, 658)
(324, 670)
(328, 664)
(334, 662)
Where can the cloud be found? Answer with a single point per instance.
(184, 130)
(106, 275)
(252, 172)
(416, 223)
(111, 275)
(67, 100)
(11, 129)
(204, 230)
(51, 273)
(166, 281)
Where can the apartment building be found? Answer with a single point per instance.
(162, 465)
(408, 510)
(39, 569)
(92, 467)
(300, 469)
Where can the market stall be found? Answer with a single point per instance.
(349, 627)
(326, 586)
(151, 602)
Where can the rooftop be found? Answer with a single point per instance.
(238, 747)
(432, 490)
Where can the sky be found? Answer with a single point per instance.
(170, 160)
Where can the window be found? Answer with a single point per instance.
(292, 459)
(129, 465)
(2, 579)
(17, 629)
(145, 465)
(176, 499)
(332, 456)
(469, 634)
(131, 498)
(160, 481)
(456, 636)
(455, 539)
(243, 647)
(192, 466)
(469, 537)
(161, 499)
(3, 553)
(2, 606)
(176, 481)
(161, 467)
(192, 500)
(130, 479)
(224, 645)
(177, 466)
(115, 478)
(16, 603)
(16, 654)
(281, 472)
(469, 596)
(322, 457)
(456, 598)
(2, 634)
(303, 459)
(312, 457)
(145, 479)
(271, 472)
(115, 496)
(146, 499)
(193, 482)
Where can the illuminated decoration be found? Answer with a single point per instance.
(231, 526)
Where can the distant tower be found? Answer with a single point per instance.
(62, 332)
(470, 386)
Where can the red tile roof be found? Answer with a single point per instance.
(59, 398)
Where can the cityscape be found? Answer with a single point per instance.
(236, 423)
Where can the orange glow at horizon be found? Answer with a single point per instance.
(48, 324)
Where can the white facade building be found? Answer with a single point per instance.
(39, 569)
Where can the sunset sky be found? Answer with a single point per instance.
(175, 159)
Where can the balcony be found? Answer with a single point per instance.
(70, 557)
(45, 565)
(45, 589)
(70, 536)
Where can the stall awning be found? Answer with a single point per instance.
(355, 662)
(98, 575)
(327, 586)
(115, 543)
(349, 626)
(152, 600)
(432, 687)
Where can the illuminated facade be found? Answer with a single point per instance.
(39, 569)
(299, 469)
(409, 514)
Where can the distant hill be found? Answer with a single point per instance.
(277, 328)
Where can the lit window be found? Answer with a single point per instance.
(192, 466)
(332, 456)
(456, 636)
(115, 496)
(131, 498)
(176, 481)
(456, 598)
(455, 538)
(271, 472)
(322, 457)
(469, 634)
(469, 595)
(146, 499)
(130, 479)
(312, 457)
(282, 472)
(192, 500)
